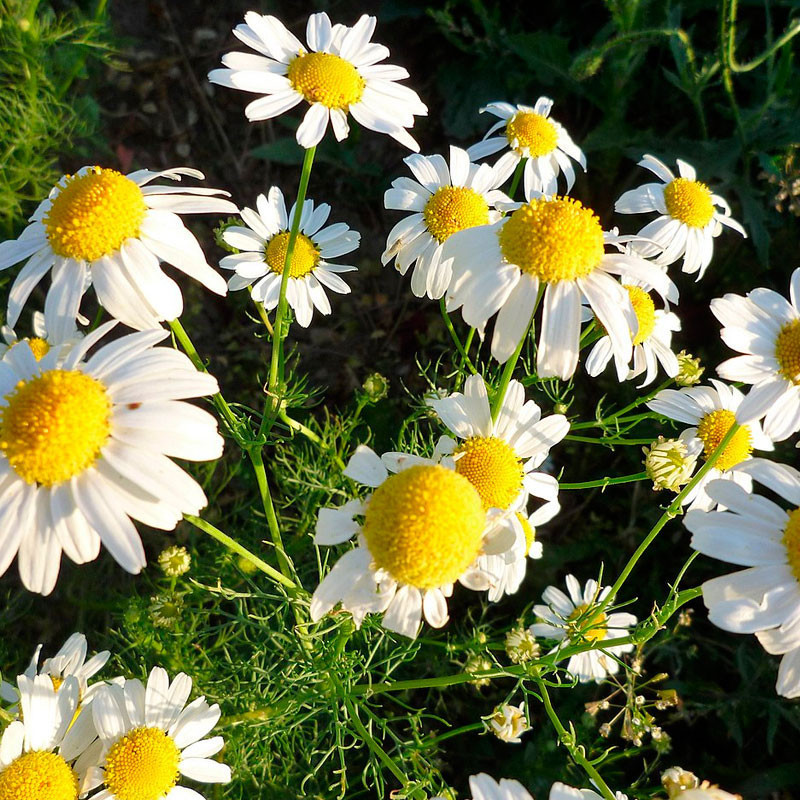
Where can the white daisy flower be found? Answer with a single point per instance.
(47, 753)
(263, 244)
(423, 528)
(41, 342)
(85, 446)
(110, 230)
(508, 723)
(444, 199)
(757, 533)
(558, 246)
(652, 341)
(571, 619)
(484, 787)
(711, 411)
(766, 328)
(150, 738)
(531, 134)
(690, 216)
(337, 74)
(560, 791)
(683, 785)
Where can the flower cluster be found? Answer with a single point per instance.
(119, 739)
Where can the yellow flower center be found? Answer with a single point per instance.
(142, 765)
(689, 201)
(424, 526)
(711, 431)
(645, 311)
(453, 208)
(94, 214)
(787, 351)
(38, 776)
(531, 131)
(589, 627)
(554, 240)
(39, 347)
(54, 426)
(791, 541)
(493, 468)
(326, 78)
(305, 255)
(527, 529)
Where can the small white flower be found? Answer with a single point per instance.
(264, 243)
(689, 218)
(521, 645)
(765, 327)
(676, 779)
(759, 534)
(531, 134)
(560, 791)
(712, 411)
(571, 619)
(41, 342)
(508, 723)
(484, 787)
(150, 737)
(108, 230)
(338, 74)
(444, 199)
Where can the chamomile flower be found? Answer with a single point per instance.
(508, 723)
(560, 791)
(263, 245)
(69, 661)
(484, 787)
(423, 528)
(572, 619)
(45, 754)
(41, 342)
(764, 536)
(337, 74)
(531, 134)
(712, 411)
(109, 230)
(444, 199)
(554, 248)
(691, 216)
(652, 341)
(150, 738)
(765, 327)
(85, 446)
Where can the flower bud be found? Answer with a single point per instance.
(689, 369)
(668, 464)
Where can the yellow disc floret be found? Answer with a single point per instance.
(791, 541)
(554, 240)
(712, 429)
(532, 134)
(589, 626)
(493, 468)
(424, 526)
(305, 255)
(787, 351)
(689, 201)
(326, 78)
(53, 426)
(645, 311)
(38, 776)
(142, 765)
(94, 214)
(453, 208)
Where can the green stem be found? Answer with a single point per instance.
(311, 436)
(607, 440)
(517, 175)
(735, 66)
(448, 323)
(235, 547)
(188, 347)
(603, 422)
(672, 511)
(262, 312)
(280, 315)
(601, 483)
(568, 739)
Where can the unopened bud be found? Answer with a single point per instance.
(668, 464)
(689, 369)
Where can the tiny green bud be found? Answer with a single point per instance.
(174, 561)
(375, 387)
(689, 369)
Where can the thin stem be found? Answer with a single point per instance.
(568, 739)
(735, 66)
(672, 510)
(601, 423)
(237, 548)
(280, 315)
(188, 347)
(517, 175)
(448, 323)
(601, 483)
(262, 312)
(311, 436)
(607, 440)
